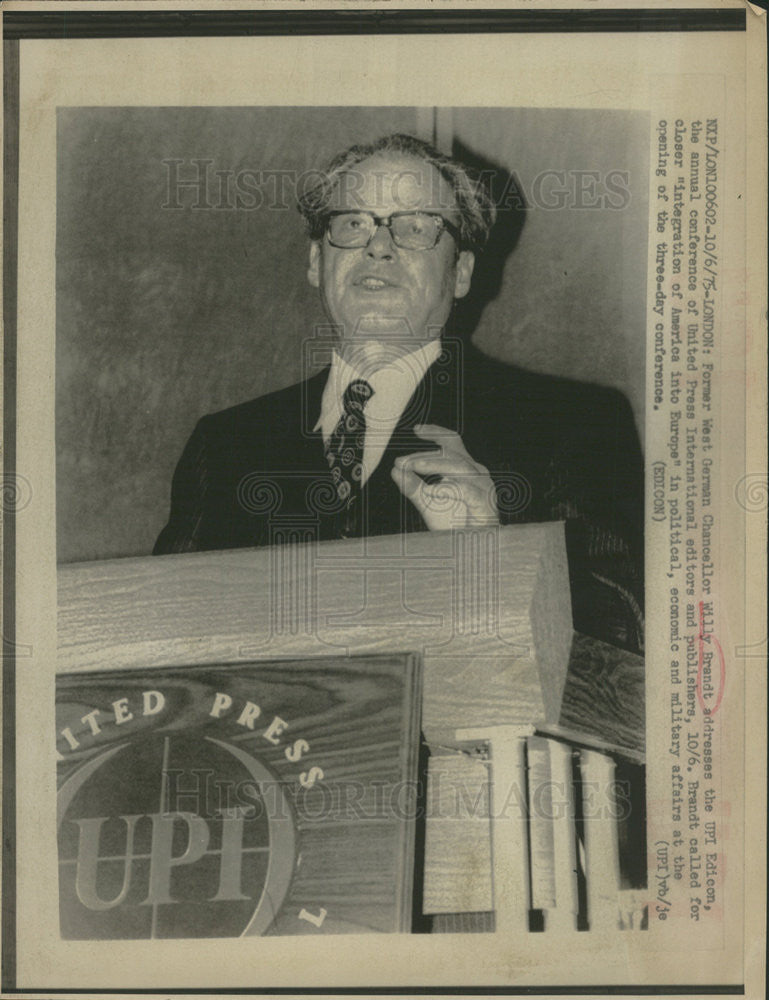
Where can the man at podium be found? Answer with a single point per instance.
(410, 427)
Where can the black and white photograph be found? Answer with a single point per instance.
(373, 442)
(206, 255)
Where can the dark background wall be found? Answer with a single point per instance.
(166, 313)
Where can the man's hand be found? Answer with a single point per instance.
(463, 497)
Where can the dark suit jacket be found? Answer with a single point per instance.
(255, 474)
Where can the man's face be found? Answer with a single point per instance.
(382, 292)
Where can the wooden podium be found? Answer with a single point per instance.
(486, 612)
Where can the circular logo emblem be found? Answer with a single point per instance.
(173, 836)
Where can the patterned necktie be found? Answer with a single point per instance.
(344, 451)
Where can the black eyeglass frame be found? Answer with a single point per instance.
(386, 220)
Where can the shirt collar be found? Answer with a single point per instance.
(394, 384)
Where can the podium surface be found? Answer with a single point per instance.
(488, 610)
(486, 613)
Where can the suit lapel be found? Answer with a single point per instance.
(437, 400)
(306, 443)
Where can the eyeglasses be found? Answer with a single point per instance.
(408, 230)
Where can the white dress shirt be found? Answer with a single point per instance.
(394, 384)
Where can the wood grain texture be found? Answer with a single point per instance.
(551, 628)
(463, 600)
(605, 694)
(458, 836)
(603, 706)
(489, 612)
(360, 719)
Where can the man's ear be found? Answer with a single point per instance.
(465, 265)
(313, 271)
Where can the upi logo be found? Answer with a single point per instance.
(152, 846)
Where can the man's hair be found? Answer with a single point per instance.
(476, 209)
